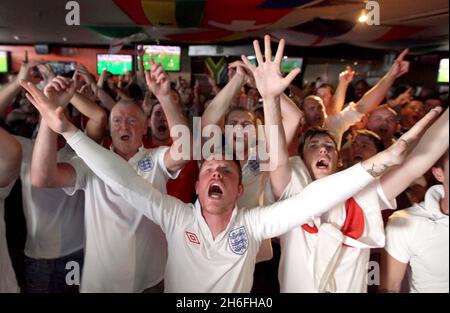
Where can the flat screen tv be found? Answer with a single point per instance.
(116, 64)
(168, 56)
(443, 71)
(4, 61)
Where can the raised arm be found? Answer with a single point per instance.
(105, 100)
(95, 127)
(11, 90)
(109, 167)
(140, 68)
(279, 218)
(338, 102)
(271, 84)
(430, 148)
(159, 83)
(376, 94)
(10, 158)
(221, 103)
(291, 117)
(46, 172)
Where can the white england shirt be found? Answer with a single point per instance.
(322, 257)
(196, 262)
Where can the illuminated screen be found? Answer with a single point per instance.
(168, 56)
(62, 68)
(287, 65)
(117, 64)
(4, 68)
(443, 71)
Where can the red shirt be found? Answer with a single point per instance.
(183, 187)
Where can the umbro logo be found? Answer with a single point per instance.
(192, 238)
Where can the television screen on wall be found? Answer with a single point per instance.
(4, 61)
(116, 64)
(443, 71)
(168, 56)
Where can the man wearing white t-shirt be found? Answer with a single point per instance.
(125, 252)
(258, 188)
(55, 227)
(331, 252)
(419, 237)
(213, 245)
(9, 170)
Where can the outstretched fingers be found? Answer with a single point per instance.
(291, 76)
(280, 51)
(267, 49)
(258, 53)
(248, 64)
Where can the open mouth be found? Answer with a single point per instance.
(215, 191)
(124, 137)
(162, 129)
(357, 158)
(322, 164)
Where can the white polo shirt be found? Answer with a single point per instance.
(8, 283)
(319, 258)
(125, 252)
(196, 261)
(55, 224)
(419, 236)
(339, 123)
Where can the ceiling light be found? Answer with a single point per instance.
(363, 17)
(16, 37)
(64, 39)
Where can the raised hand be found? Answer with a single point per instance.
(140, 51)
(400, 66)
(84, 73)
(49, 108)
(347, 75)
(404, 97)
(60, 90)
(268, 78)
(396, 154)
(157, 79)
(46, 72)
(25, 69)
